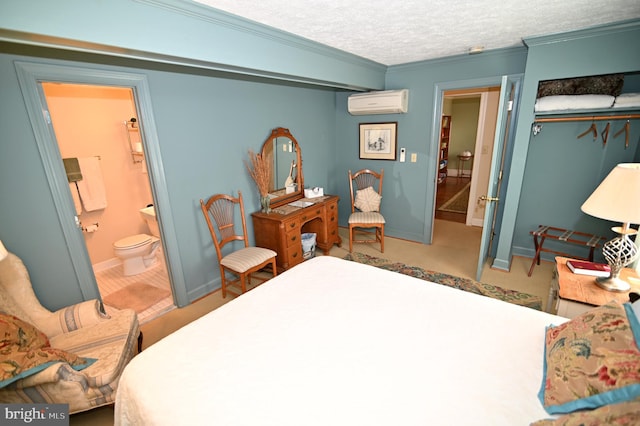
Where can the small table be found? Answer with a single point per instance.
(572, 294)
(462, 160)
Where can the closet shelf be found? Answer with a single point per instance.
(588, 114)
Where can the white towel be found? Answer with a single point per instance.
(91, 187)
(76, 197)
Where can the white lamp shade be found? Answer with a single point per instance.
(617, 198)
(3, 251)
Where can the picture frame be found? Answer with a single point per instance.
(378, 141)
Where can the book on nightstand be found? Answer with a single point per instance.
(583, 267)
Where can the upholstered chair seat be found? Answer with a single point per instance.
(105, 342)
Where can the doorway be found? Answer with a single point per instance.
(90, 124)
(472, 119)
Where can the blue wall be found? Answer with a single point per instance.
(562, 172)
(409, 188)
(205, 123)
(597, 51)
(211, 104)
(186, 33)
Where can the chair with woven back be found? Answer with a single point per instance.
(220, 211)
(366, 193)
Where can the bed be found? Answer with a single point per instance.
(333, 342)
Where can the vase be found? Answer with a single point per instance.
(265, 202)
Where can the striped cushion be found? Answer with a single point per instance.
(246, 258)
(366, 217)
(112, 342)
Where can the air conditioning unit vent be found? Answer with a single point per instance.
(381, 102)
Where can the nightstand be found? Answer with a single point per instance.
(572, 294)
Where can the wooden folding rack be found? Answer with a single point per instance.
(574, 237)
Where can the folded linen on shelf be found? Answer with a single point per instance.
(572, 102)
(627, 100)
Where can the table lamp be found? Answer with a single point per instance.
(617, 199)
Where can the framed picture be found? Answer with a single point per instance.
(378, 141)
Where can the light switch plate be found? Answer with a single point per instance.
(414, 157)
(403, 152)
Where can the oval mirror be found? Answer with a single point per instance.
(283, 152)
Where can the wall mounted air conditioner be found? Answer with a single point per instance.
(383, 102)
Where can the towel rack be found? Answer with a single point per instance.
(135, 143)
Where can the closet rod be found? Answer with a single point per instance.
(587, 118)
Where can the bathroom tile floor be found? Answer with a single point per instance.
(112, 279)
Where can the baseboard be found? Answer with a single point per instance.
(107, 264)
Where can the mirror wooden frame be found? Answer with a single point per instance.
(267, 152)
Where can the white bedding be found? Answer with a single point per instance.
(332, 342)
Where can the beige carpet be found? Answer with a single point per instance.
(137, 296)
(458, 203)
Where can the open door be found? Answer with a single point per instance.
(506, 111)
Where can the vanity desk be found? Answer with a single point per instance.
(291, 215)
(281, 229)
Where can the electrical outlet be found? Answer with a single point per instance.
(414, 157)
(403, 152)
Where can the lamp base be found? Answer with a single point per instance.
(613, 284)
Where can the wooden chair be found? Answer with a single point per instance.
(220, 209)
(365, 206)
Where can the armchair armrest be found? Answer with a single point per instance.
(73, 318)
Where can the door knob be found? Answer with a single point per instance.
(485, 198)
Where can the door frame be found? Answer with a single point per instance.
(438, 100)
(439, 89)
(30, 75)
(477, 147)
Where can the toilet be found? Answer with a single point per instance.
(139, 252)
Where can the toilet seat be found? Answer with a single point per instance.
(133, 241)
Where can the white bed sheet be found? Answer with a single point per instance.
(333, 342)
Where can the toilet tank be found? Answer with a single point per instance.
(149, 215)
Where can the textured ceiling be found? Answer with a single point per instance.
(400, 31)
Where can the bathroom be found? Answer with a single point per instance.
(94, 123)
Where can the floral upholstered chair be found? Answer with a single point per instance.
(72, 356)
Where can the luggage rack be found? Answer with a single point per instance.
(566, 235)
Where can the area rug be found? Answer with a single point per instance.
(138, 296)
(458, 203)
(466, 284)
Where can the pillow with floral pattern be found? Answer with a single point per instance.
(624, 413)
(25, 350)
(591, 361)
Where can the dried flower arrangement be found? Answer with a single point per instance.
(260, 171)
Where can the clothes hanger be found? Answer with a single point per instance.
(626, 129)
(605, 133)
(592, 129)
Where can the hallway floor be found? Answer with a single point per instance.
(445, 190)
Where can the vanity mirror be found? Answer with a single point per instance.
(282, 151)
